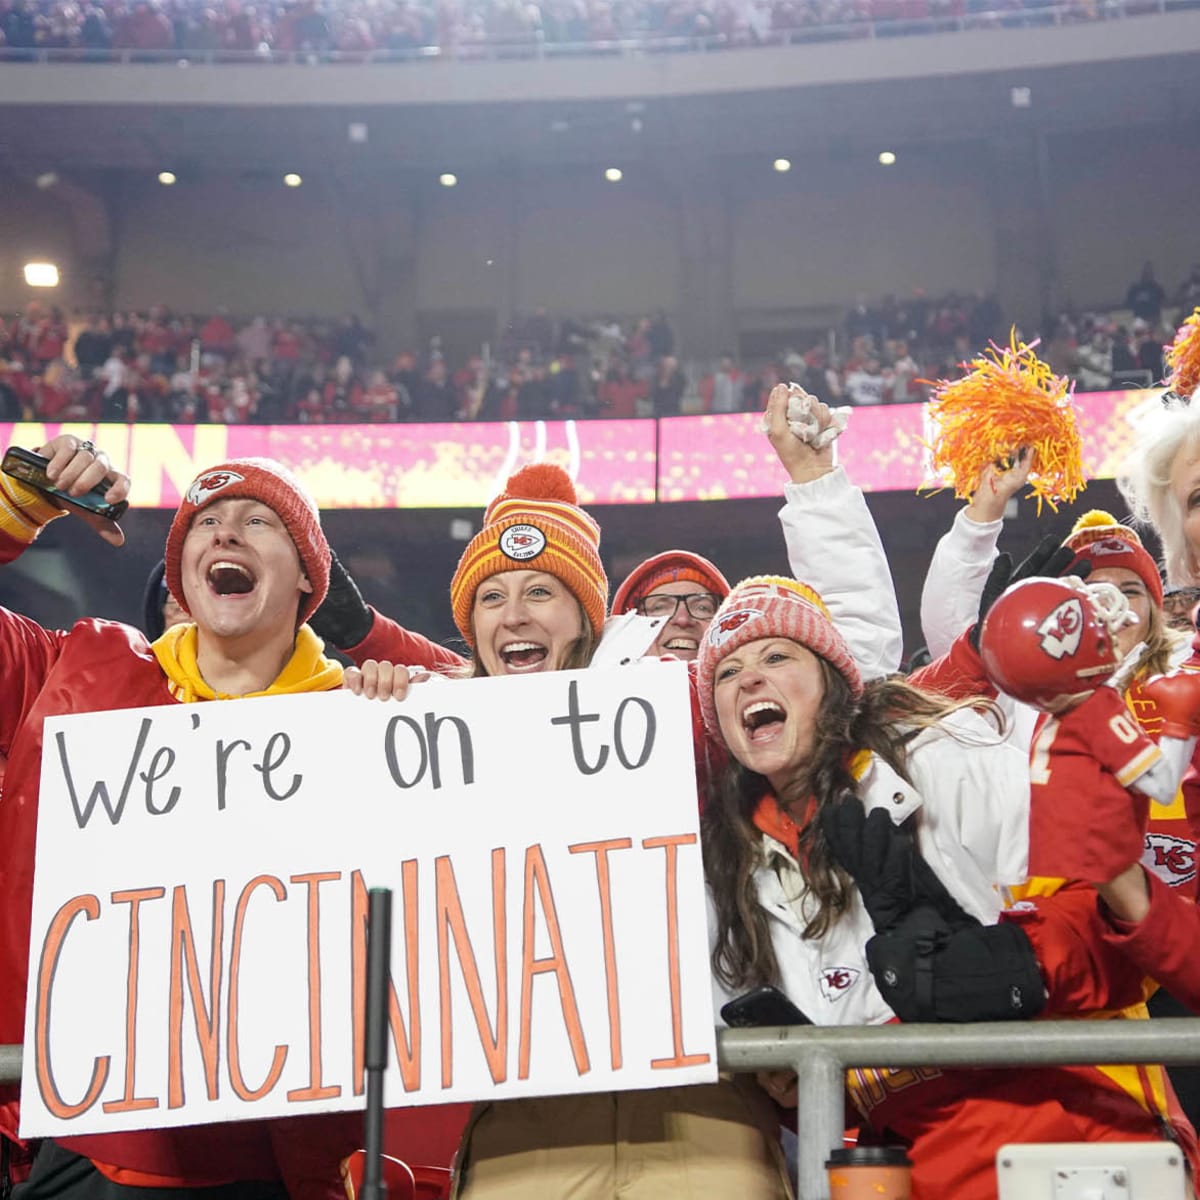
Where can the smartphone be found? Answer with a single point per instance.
(765, 1006)
(30, 468)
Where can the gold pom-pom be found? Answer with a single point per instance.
(1183, 358)
(1093, 518)
(1009, 400)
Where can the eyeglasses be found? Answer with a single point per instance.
(1181, 599)
(701, 606)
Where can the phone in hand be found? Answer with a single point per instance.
(30, 468)
(764, 1006)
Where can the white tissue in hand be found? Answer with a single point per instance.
(803, 422)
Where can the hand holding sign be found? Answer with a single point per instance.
(199, 869)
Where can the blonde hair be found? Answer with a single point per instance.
(1145, 482)
(1162, 642)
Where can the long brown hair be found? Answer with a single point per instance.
(889, 716)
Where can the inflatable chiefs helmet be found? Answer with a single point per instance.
(1043, 641)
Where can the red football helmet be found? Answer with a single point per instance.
(1043, 642)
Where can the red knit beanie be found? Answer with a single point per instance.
(272, 484)
(1101, 539)
(672, 566)
(535, 524)
(766, 606)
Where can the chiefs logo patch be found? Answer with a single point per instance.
(210, 483)
(1061, 630)
(1110, 545)
(837, 981)
(1172, 859)
(720, 631)
(522, 542)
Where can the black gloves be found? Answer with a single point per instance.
(931, 960)
(882, 858)
(929, 972)
(1049, 558)
(343, 618)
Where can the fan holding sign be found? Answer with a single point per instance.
(248, 559)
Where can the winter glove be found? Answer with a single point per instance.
(931, 960)
(882, 858)
(343, 618)
(1049, 558)
(929, 972)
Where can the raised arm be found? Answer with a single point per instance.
(833, 544)
(27, 651)
(964, 555)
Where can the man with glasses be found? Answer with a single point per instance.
(682, 588)
(1179, 608)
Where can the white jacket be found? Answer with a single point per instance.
(954, 582)
(834, 547)
(972, 793)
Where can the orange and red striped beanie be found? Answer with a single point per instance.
(535, 524)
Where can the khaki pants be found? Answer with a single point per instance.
(710, 1142)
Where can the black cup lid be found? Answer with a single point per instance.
(869, 1156)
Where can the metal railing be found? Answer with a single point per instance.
(820, 1056)
(536, 46)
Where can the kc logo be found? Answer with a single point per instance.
(1172, 859)
(1061, 630)
(522, 542)
(721, 631)
(210, 483)
(836, 981)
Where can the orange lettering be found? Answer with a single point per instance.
(537, 878)
(671, 845)
(315, 1090)
(600, 850)
(207, 1016)
(452, 924)
(233, 1049)
(408, 1051)
(129, 1102)
(51, 949)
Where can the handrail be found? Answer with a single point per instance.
(820, 1056)
(535, 46)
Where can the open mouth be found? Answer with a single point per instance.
(523, 656)
(682, 645)
(763, 719)
(230, 579)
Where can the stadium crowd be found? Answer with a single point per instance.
(877, 845)
(406, 27)
(159, 366)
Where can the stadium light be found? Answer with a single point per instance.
(47, 179)
(782, 165)
(291, 179)
(886, 158)
(41, 274)
(447, 179)
(166, 178)
(613, 174)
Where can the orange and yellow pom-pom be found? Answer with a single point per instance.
(1183, 358)
(1009, 400)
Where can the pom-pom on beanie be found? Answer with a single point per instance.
(1101, 539)
(767, 606)
(535, 524)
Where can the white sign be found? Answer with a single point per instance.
(198, 945)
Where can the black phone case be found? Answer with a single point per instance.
(764, 1006)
